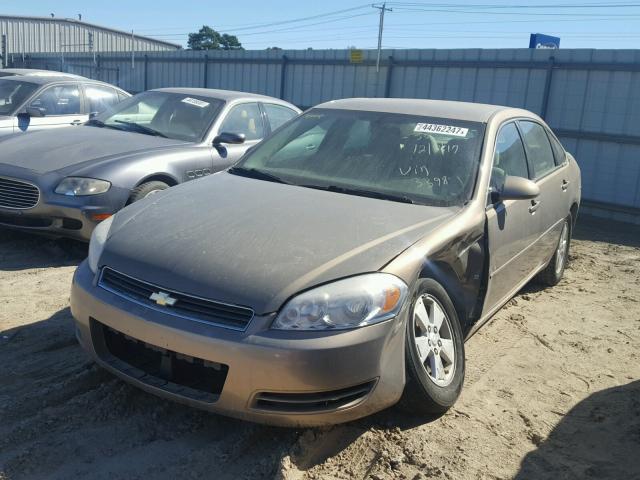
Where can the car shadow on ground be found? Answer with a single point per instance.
(607, 231)
(22, 251)
(598, 438)
(52, 390)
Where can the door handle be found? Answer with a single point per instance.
(534, 206)
(565, 185)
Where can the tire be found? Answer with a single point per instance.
(425, 393)
(552, 274)
(145, 189)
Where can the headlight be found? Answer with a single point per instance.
(349, 303)
(77, 186)
(96, 245)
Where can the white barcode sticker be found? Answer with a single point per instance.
(195, 101)
(441, 129)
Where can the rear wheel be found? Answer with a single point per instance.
(434, 351)
(147, 189)
(552, 274)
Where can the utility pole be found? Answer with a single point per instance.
(133, 61)
(383, 8)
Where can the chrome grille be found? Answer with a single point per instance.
(18, 195)
(186, 306)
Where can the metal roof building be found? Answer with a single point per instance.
(23, 35)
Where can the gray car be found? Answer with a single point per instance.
(37, 102)
(338, 267)
(65, 182)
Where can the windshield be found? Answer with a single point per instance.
(13, 94)
(425, 160)
(171, 115)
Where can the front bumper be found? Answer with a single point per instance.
(269, 376)
(60, 215)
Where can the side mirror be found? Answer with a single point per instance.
(36, 112)
(518, 188)
(228, 137)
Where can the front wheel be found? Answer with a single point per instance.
(434, 351)
(146, 189)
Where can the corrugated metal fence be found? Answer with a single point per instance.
(591, 98)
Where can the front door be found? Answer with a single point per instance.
(511, 224)
(245, 119)
(61, 106)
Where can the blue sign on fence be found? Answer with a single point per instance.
(539, 40)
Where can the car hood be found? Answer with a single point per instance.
(56, 149)
(256, 243)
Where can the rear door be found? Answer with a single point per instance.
(245, 119)
(551, 176)
(61, 106)
(511, 224)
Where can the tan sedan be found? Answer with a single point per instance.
(338, 267)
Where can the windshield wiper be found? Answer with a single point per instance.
(363, 193)
(94, 122)
(255, 173)
(142, 128)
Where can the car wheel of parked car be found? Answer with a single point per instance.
(146, 189)
(552, 274)
(434, 351)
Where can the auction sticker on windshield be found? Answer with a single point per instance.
(195, 101)
(442, 129)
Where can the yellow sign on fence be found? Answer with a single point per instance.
(356, 56)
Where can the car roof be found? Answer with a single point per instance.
(226, 95)
(28, 72)
(474, 112)
(44, 80)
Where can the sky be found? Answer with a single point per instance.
(300, 24)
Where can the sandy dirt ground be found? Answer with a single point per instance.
(552, 391)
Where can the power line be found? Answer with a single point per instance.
(515, 6)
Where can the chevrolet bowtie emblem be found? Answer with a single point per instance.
(163, 299)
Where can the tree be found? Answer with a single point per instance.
(209, 39)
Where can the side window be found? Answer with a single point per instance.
(278, 115)
(244, 118)
(100, 98)
(558, 150)
(59, 100)
(538, 148)
(509, 157)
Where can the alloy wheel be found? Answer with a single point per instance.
(561, 252)
(434, 340)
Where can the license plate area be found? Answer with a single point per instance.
(174, 372)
